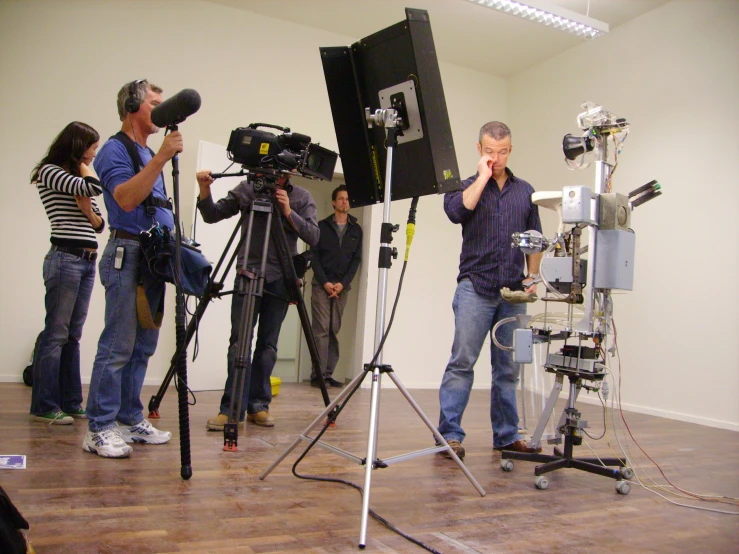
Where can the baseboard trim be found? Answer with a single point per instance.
(85, 381)
(688, 418)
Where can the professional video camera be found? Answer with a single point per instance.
(262, 151)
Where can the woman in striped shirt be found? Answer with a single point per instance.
(66, 184)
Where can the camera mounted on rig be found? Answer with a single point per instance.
(262, 151)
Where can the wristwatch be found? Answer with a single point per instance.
(533, 276)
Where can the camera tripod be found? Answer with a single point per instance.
(251, 286)
(387, 118)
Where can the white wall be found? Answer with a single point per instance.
(66, 60)
(673, 73)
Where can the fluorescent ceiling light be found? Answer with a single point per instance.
(550, 15)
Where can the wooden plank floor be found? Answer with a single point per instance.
(77, 502)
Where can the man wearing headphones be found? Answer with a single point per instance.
(135, 197)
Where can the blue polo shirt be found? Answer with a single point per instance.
(114, 166)
(487, 258)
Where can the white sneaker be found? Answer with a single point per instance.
(108, 444)
(144, 432)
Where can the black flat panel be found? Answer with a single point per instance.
(349, 121)
(355, 76)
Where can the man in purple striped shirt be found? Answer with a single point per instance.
(490, 206)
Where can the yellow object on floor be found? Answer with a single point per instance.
(275, 382)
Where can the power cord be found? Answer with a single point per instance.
(679, 492)
(410, 231)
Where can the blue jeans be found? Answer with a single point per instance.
(270, 312)
(474, 317)
(56, 365)
(124, 348)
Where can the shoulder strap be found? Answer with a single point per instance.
(150, 202)
(133, 152)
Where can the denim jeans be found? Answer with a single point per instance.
(124, 348)
(474, 316)
(270, 310)
(326, 322)
(56, 365)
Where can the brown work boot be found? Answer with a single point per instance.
(217, 423)
(261, 418)
(519, 446)
(456, 446)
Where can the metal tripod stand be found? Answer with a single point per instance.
(389, 120)
(251, 286)
(215, 286)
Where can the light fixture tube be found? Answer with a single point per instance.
(550, 15)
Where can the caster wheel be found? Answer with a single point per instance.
(622, 487)
(28, 376)
(506, 465)
(541, 482)
(627, 473)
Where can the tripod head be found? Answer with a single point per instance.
(264, 182)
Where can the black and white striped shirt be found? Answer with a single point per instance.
(69, 226)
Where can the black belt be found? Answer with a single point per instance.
(119, 234)
(88, 255)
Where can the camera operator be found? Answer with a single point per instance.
(298, 216)
(134, 193)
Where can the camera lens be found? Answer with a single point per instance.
(314, 162)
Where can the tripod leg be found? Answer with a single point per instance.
(296, 296)
(435, 432)
(213, 289)
(254, 290)
(349, 389)
(371, 453)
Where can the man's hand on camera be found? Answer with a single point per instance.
(283, 201)
(172, 145)
(204, 182)
(204, 178)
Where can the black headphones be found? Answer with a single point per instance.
(132, 103)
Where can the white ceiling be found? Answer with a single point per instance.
(465, 34)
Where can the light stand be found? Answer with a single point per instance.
(389, 120)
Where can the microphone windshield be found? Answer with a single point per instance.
(176, 109)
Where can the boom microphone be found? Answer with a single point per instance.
(176, 109)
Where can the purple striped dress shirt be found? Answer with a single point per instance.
(487, 258)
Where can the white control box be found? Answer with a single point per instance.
(576, 204)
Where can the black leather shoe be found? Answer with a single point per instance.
(331, 382)
(315, 383)
(519, 446)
